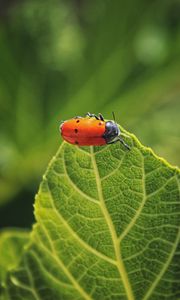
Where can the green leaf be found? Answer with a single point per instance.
(107, 228)
(12, 242)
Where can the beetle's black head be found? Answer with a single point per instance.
(111, 131)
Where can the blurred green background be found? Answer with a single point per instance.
(62, 58)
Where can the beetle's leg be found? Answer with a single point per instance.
(77, 117)
(123, 142)
(88, 114)
(92, 115)
(101, 117)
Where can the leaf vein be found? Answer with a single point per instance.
(76, 187)
(139, 210)
(77, 237)
(163, 270)
(115, 169)
(76, 285)
(120, 264)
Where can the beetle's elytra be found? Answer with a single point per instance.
(91, 130)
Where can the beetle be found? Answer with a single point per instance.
(91, 130)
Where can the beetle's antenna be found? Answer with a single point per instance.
(113, 114)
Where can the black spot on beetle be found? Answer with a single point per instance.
(100, 123)
(77, 121)
(76, 130)
(76, 142)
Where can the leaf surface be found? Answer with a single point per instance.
(107, 228)
(12, 242)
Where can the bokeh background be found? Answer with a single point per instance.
(62, 58)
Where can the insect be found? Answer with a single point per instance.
(91, 130)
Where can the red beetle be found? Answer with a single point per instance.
(91, 130)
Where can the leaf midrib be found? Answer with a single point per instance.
(120, 264)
